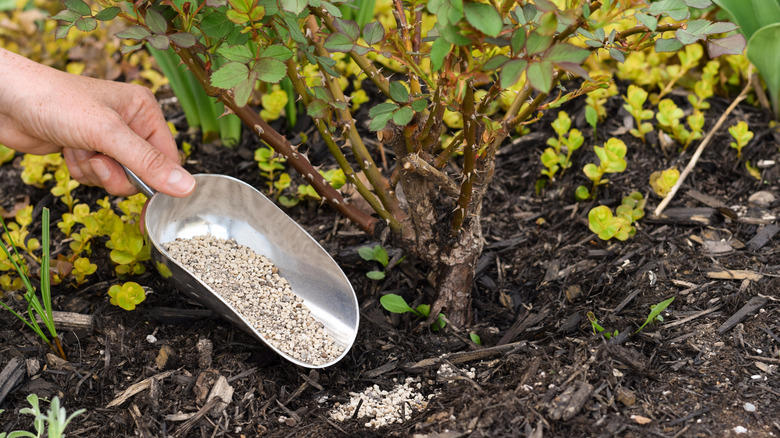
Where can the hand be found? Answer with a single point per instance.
(96, 124)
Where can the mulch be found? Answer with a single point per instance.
(708, 369)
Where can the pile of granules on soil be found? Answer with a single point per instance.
(381, 406)
(250, 283)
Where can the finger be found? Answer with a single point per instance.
(112, 176)
(78, 166)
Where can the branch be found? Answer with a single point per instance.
(280, 144)
(702, 145)
(469, 158)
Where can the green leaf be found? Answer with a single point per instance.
(698, 4)
(494, 63)
(107, 14)
(244, 89)
(86, 24)
(540, 75)
(156, 22)
(439, 50)
(591, 171)
(398, 92)
(134, 33)
(159, 42)
(581, 193)
(348, 28)
(403, 116)
(294, 6)
(537, 43)
(419, 105)
(676, 9)
(655, 311)
(518, 40)
(763, 51)
(216, 25)
(475, 338)
(79, 7)
(338, 42)
(548, 24)
(566, 53)
(732, 45)
(379, 122)
(382, 108)
(453, 36)
(648, 20)
(375, 275)
(183, 39)
(277, 52)
(423, 310)
(484, 17)
(617, 55)
(380, 255)
(270, 70)
(667, 45)
(374, 33)
(240, 54)
(67, 16)
(511, 72)
(318, 109)
(751, 15)
(603, 223)
(241, 6)
(230, 75)
(395, 304)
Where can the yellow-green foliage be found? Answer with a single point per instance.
(558, 155)
(635, 99)
(127, 295)
(6, 154)
(273, 104)
(669, 116)
(662, 181)
(742, 134)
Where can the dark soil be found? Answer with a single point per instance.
(541, 370)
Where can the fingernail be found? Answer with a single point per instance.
(100, 169)
(181, 181)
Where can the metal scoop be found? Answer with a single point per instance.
(228, 208)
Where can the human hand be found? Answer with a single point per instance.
(96, 124)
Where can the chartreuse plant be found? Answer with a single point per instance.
(606, 225)
(635, 100)
(662, 181)
(127, 295)
(742, 136)
(37, 308)
(704, 88)
(396, 304)
(558, 155)
(759, 22)
(52, 424)
(652, 318)
(6, 154)
(611, 160)
(440, 53)
(669, 117)
(377, 254)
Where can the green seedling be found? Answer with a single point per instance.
(36, 308)
(669, 116)
(270, 165)
(606, 225)
(696, 125)
(742, 134)
(52, 424)
(558, 155)
(635, 99)
(396, 304)
(752, 170)
(127, 295)
(655, 313)
(81, 268)
(689, 59)
(611, 160)
(334, 177)
(704, 88)
(64, 187)
(597, 328)
(475, 338)
(662, 181)
(273, 104)
(377, 254)
(38, 169)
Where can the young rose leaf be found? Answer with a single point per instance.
(566, 53)
(240, 54)
(518, 40)
(318, 109)
(647, 20)
(494, 63)
(540, 75)
(398, 92)
(237, 17)
(403, 116)
(537, 43)
(720, 27)
(676, 9)
(548, 23)
(382, 109)
(159, 42)
(277, 52)
(698, 4)
(134, 33)
(331, 8)
(107, 14)
(484, 17)
(452, 34)
(270, 70)
(439, 50)
(374, 33)
(242, 6)
(731, 45)
(419, 105)
(156, 22)
(338, 42)
(294, 6)
(215, 25)
(67, 16)
(124, 50)
(668, 45)
(183, 39)
(348, 28)
(617, 55)
(243, 90)
(686, 37)
(86, 24)
(511, 72)
(230, 75)
(79, 7)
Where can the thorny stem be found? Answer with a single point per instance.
(280, 144)
(403, 24)
(469, 159)
(643, 29)
(334, 148)
(434, 118)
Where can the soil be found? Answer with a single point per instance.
(709, 369)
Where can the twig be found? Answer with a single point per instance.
(700, 149)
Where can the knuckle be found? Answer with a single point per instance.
(152, 160)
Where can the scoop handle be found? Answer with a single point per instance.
(138, 183)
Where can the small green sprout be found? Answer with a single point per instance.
(655, 313)
(742, 135)
(475, 338)
(703, 89)
(611, 160)
(64, 188)
(127, 296)
(597, 328)
(635, 99)
(81, 268)
(270, 164)
(273, 104)
(56, 418)
(558, 156)
(606, 225)
(752, 170)
(378, 254)
(396, 304)
(662, 181)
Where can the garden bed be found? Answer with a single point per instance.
(708, 369)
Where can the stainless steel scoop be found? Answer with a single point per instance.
(231, 209)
